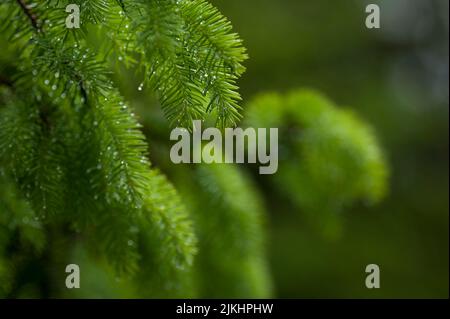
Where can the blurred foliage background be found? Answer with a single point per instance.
(395, 78)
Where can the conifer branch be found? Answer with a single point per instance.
(229, 215)
(336, 162)
(74, 148)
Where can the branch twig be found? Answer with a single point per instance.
(34, 21)
(33, 18)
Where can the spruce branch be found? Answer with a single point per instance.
(84, 146)
(336, 159)
(73, 146)
(187, 50)
(228, 213)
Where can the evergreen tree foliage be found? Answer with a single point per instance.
(76, 182)
(71, 147)
(329, 158)
(19, 229)
(229, 219)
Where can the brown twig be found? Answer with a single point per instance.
(34, 21)
(33, 18)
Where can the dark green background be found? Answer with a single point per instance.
(397, 79)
